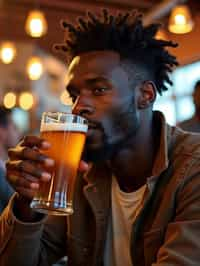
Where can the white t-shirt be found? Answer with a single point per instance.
(125, 208)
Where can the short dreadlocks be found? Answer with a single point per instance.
(126, 35)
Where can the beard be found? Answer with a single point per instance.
(124, 127)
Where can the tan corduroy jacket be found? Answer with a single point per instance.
(165, 233)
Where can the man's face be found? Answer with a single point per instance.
(101, 91)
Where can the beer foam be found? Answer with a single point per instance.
(63, 127)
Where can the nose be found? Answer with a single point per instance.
(82, 108)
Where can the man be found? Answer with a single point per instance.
(193, 124)
(9, 136)
(139, 203)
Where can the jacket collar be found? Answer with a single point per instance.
(162, 157)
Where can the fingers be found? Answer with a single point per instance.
(83, 166)
(28, 168)
(27, 193)
(28, 149)
(29, 154)
(34, 141)
(14, 178)
(25, 184)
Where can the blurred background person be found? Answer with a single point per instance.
(9, 136)
(193, 124)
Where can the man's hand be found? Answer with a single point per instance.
(27, 166)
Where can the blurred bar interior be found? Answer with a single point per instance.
(33, 76)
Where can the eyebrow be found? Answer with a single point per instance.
(95, 80)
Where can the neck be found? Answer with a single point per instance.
(133, 164)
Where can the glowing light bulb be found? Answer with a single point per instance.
(26, 100)
(7, 52)
(34, 68)
(36, 24)
(9, 100)
(180, 20)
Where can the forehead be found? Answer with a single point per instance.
(97, 62)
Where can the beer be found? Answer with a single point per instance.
(67, 142)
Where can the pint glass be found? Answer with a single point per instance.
(67, 134)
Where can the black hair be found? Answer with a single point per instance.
(125, 34)
(4, 116)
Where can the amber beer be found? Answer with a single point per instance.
(67, 141)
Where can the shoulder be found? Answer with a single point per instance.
(184, 153)
(184, 142)
(192, 125)
(186, 122)
(183, 170)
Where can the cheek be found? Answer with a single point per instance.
(122, 124)
(112, 128)
(118, 117)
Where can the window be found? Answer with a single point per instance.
(21, 119)
(177, 103)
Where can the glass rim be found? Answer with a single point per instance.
(63, 113)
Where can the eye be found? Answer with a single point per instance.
(99, 90)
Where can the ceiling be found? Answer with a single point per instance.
(13, 14)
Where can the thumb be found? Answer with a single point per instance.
(83, 166)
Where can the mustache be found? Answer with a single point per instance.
(95, 124)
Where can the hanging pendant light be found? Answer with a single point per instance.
(26, 100)
(34, 68)
(36, 24)
(180, 20)
(9, 100)
(7, 52)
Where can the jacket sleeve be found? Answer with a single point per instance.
(182, 238)
(31, 244)
(6, 191)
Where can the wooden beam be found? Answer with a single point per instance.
(140, 4)
(80, 7)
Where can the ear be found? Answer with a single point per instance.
(147, 95)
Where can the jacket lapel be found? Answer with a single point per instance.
(98, 194)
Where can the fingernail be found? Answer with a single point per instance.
(46, 176)
(46, 144)
(34, 185)
(49, 162)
